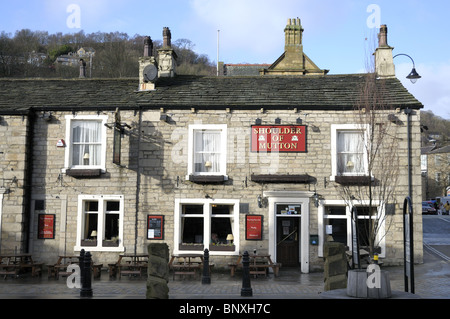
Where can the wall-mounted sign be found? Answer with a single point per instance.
(155, 227)
(278, 138)
(46, 226)
(253, 227)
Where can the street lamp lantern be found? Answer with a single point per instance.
(413, 76)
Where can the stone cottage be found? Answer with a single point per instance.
(230, 164)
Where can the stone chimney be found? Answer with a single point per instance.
(167, 38)
(384, 61)
(167, 57)
(293, 61)
(148, 47)
(293, 34)
(148, 68)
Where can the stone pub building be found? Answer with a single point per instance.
(228, 163)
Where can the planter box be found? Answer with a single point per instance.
(110, 243)
(357, 284)
(89, 243)
(222, 248)
(190, 247)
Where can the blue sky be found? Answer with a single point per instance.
(339, 35)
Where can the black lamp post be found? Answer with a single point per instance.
(413, 75)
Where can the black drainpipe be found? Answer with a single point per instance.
(138, 180)
(28, 176)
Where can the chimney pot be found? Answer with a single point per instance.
(167, 36)
(382, 36)
(148, 46)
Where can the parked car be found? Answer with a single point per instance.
(428, 209)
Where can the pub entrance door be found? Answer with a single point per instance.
(289, 228)
(288, 237)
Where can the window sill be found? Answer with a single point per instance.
(207, 178)
(304, 179)
(84, 173)
(99, 249)
(353, 180)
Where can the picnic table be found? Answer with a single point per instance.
(129, 264)
(186, 264)
(259, 265)
(64, 261)
(18, 263)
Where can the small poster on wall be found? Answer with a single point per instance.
(155, 227)
(253, 227)
(46, 226)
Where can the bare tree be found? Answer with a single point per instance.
(374, 161)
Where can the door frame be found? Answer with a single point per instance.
(290, 197)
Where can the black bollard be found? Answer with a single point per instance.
(206, 277)
(86, 282)
(246, 290)
(81, 264)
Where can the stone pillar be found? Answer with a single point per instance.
(335, 270)
(158, 271)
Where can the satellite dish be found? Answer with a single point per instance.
(150, 73)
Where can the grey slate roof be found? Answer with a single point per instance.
(304, 92)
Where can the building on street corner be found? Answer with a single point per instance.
(272, 162)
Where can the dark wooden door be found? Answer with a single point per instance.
(288, 235)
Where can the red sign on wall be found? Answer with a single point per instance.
(254, 227)
(279, 138)
(46, 226)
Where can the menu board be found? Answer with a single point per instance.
(46, 226)
(253, 227)
(155, 227)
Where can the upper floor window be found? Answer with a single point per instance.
(348, 149)
(86, 142)
(207, 150)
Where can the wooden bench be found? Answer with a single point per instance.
(135, 265)
(186, 264)
(258, 265)
(60, 267)
(13, 265)
(9, 270)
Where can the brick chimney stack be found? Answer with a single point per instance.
(384, 61)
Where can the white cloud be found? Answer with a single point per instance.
(433, 89)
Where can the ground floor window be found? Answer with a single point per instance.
(335, 224)
(211, 224)
(100, 222)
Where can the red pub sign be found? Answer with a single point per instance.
(278, 138)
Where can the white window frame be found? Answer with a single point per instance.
(381, 211)
(69, 147)
(223, 153)
(335, 128)
(102, 199)
(207, 216)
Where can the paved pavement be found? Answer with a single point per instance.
(432, 281)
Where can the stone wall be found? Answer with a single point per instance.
(156, 166)
(13, 160)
